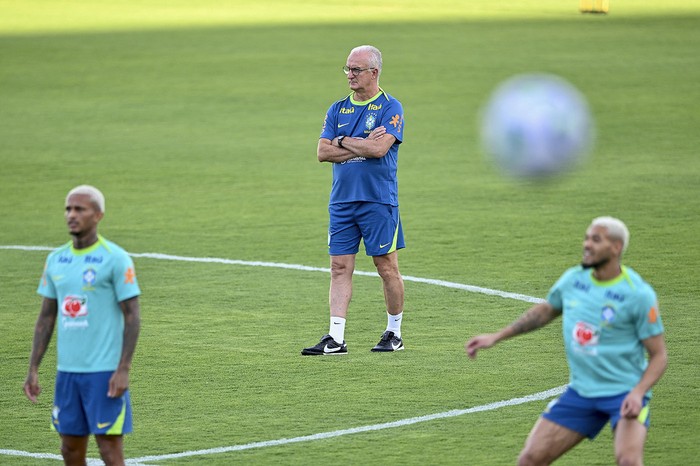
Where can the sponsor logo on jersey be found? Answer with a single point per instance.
(74, 306)
(374, 107)
(582, 286)
(615, 296)
(397, 122)
(653, 314)
(65, 259)
(347, 111)
(93, 259)
(129, 276)
(354, 160)
(585, 334)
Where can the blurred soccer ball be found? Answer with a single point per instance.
(536, 125)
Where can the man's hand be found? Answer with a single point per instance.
(479, 342)
(377, 133)
(31, 387)
(632, 405)
(118, 383)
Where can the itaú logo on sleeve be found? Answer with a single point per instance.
(74, 306)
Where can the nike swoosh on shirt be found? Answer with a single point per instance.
(344, 124)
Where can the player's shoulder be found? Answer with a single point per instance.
(389, 99)
(637, 283)
(112, 248)
(347, 100)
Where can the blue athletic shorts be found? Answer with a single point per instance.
(588, 416)
(378, 225)
(82, 407)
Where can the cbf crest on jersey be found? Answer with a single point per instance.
(371, 121)
(89, 278)
(607, 316)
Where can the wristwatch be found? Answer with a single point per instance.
(340, 141)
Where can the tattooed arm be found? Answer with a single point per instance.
(43, 330)
(537, 316)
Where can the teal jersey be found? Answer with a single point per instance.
(604, 324)
(88, 285)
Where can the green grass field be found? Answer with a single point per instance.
(199, 121)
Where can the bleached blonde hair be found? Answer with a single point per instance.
(616, 229)
(95, 195)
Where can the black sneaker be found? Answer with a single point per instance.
(327, 347)
(389, 342)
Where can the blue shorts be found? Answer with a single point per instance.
(588, 416)
(82, 407)
(378, 225)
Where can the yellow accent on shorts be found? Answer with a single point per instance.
(643, 415)
(118, 425)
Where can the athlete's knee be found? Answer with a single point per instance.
(628, 459)
(111, 450)
(73, 454)
(386, 267)
(341, 268)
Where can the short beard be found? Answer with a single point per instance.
(595, 265)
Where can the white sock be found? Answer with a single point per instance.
(337, 330)
(394, 323)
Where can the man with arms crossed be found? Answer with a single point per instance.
(360, 137)
(90, 290)
(610, 320)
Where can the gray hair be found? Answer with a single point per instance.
(95, 195)
(616, 229)
(375, 56)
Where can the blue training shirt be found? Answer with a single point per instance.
(360, 178)
(604, 324)
(88, 285)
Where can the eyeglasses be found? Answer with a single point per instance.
(355, 71)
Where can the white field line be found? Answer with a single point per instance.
(306, 268)
(142, 461)
(356, 430)
(324, 435)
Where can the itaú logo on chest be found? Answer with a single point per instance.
(74, 306)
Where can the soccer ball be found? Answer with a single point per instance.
(536, 126)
